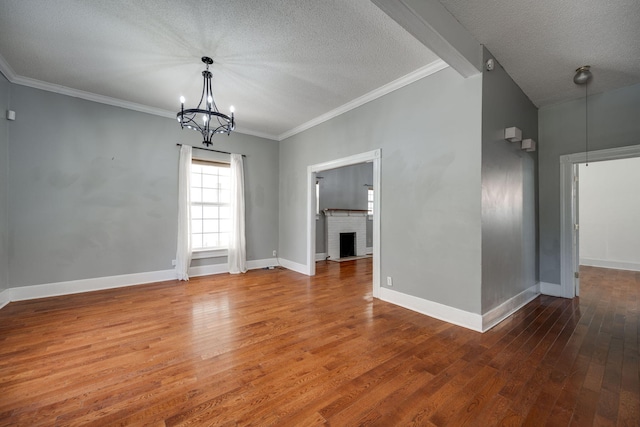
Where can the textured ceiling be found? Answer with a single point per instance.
(541, 43)
(280, 63)
(284, 63)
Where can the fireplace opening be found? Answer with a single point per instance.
(347, 244)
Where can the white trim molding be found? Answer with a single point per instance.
(616, 265)
(209, 253)
(416, 75)
(568, 212)
(439, 311)
(6, 70)
(14, 78)
(206, 270)
(257, 264)
(510, 306)
(321, 256)
(110, 282)
(294, 266)
(5, 297)
(551, 289)
(374, 157)
(473, 321)
(88, 285)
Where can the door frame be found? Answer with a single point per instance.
(569, 214)
(367, 157)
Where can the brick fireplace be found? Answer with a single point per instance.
(341, 221)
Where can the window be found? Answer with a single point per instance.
(210, 205)
(317, 197)
(370, 201)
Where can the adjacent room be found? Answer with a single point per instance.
(364, 212)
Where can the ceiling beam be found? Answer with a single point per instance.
(433, 25)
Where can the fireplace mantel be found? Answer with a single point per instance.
(344, 212)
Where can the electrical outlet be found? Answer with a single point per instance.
(389, 281)
(173, 262)
(275, 253)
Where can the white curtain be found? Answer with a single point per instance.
(183, 254)
(237, 244)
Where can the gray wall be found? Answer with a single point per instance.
(343, 188)
(429, 133)
(508, 190)
(93, 189)
(613, 122)
(4, 177)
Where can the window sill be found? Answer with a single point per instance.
(209, 253)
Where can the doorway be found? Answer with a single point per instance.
(569, 212)
(370, 156)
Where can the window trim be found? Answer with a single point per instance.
(317, 199)
(204, 253)
(209, 253)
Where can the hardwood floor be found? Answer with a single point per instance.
(273, 347)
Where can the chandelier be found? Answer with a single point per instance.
(206, 118)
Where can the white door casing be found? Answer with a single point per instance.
(369, 156)
(569, 215)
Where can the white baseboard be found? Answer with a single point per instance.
(617, 265)
(290, 265)
(453, 315)
(100, 283)
(262, 263)
(5, 297)
(87, 285)
(507, 308)
(321, 256)
(206, 270)
(551, 289)
(473, 321)
(369, 251)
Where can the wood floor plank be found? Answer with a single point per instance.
(273, 347)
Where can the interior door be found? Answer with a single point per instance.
(575, 215)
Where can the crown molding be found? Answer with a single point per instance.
(258, 134)
(6, 69)
(416, 75)
(89, 96)
(8, 72)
